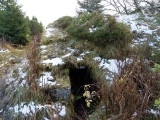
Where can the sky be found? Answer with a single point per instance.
(48, 11)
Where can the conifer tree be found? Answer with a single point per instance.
(90, 6)
(13, 23)
(36, 28)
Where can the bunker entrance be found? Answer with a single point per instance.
(82, 82)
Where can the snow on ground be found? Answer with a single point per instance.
(4, 51)
(19, 71)
(71, 50)
(44, 51)
(79, 58)
(93, 29)
(58, 60)
(54, 61)
(31, 108)
(61, 108)
(84, 53)
(143, 24)
(111, 64)
(67, 55)
(43, 47)
(139, 26)
(46, 79)
(49, 32)
(155, 112)
(25, 109)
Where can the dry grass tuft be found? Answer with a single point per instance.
(133, 91)
(33, 55)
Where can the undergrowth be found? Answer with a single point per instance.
(133, 91)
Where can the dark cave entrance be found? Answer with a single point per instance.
(79, 77)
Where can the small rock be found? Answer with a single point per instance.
(60, 94)
(50, 78)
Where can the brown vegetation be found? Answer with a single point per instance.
(133, 91)
(33, 55)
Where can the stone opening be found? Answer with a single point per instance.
(79, 77)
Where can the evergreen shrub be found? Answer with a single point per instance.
(102, 31)
(63, 22)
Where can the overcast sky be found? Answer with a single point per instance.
(48, 10)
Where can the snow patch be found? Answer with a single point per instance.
(43, 47)
(31, 108)
(4, 51)
(45, 79)
(155, 112)
(82, 54)
(67, 55)
(111, 64)
(49, 32)
(139, 26)
(43, 51)
(25, 109)
(63, 111)
(79, 58)
(91, 30)
(54, 61)
(71, 50)
(21, 74)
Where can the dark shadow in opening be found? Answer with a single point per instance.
(79, 77)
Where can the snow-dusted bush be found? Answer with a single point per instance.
(96, 29)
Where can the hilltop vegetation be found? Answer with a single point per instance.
(92, 66)
(15, 27)
(132, 40)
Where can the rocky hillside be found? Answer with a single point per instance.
(55, 55)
